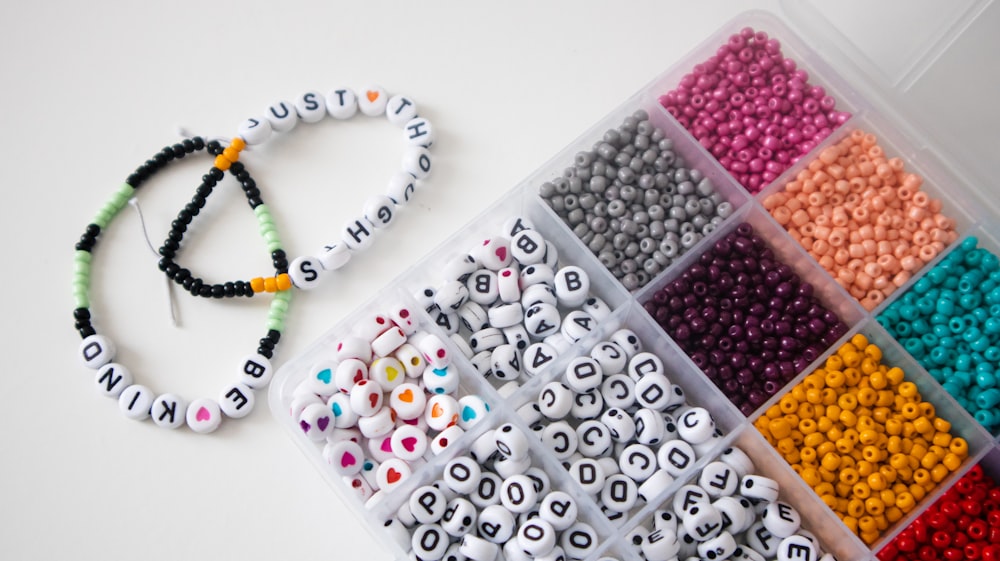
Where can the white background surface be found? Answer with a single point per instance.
(90, 90)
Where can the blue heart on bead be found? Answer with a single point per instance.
(468, 413)
(442, 372)
(324, 375)
(337, 411)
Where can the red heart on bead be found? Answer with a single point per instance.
(409, 443)
(443, 442)
(501, 252)
(373, 398)
(392, 475)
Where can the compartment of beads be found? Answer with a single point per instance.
(740, 504)
(872, 433)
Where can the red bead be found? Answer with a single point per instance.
(978, 530)
(971, 507)
(906, 543)
(951, 509)
(941, 540)
(973, 551)
(991, 553)
(953, 554)
(928, 553)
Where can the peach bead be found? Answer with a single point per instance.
(880, 235)
(921, 199)
(782, 215)
(820, 247)
(877, 203)
(856, 250)
(888, 263)
(867, 232)
(881, 283)
(863, 281)
(827, 262)
(944, 222)
(928, 253)
(841, 256)
(800, 217)
(870, 247)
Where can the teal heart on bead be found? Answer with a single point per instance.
(442, 372)
(337, 411)
(468, 413)
(324, 375)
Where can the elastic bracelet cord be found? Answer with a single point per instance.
(98, 351)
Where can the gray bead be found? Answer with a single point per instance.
(587, 237)
(655, 212)
(627, 192)
(641, 216)
(695, 175)
(629, 227)
(648, 246)
(630, 149)
(636, 164)
(597, 243)
(691, 207)
(575, 185)
(665, 144)
(717, 198)
(656, 230)
(607, 151)
(641, 141)
(626, 175)
(562, 185)
(661, 164)
(626, 136)
(599, 224)
(650, 155)
(583, 173)
(643, 277)
(571, 201)
(662, 259)
(708, 229)
(663, 182)
(645, 127)
(671, 225)
(616, 208)
(669, 248)
(680, 174)
(629, 266)
(685, 187)
(619, 241)
(621, 159)
(640, 114)
(629, 124)
(678, 200)
(631, 250)
(717, 220)
(724, 209)
(583, 159)
(677, 213)
(576, 216)
(707, 207)
(546, 190)
(630, 281)
(643, 231)
(611, 172)
(647, 181)
(556, 202)
(598, 183)
(597, 169)
(587, 201)
(580, 229)
(601, 209)
(657, 135)
(689, 239)
(673, 236)
(651, 266)
(611, 193)
(615, 225)
(699, 221)
(686, 227)
(607, 258)
(650, 197)
(612, 137)
(705, 187)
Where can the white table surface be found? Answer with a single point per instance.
(90, 90)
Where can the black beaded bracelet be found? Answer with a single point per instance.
(98, 352)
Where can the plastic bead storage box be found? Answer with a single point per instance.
(631, 356)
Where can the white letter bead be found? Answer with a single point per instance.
(379, 210)
(797, 548)
(618, 391)
(638, 462)
(405, 319)
(676, 456)
(473, 316)
(354, 347)
(168, 411)
(517, 494)
(718, 479)
(781, 519)
(660, 545)
(486, 339)
(537, 356)
(334, 256)
(620, 425)
(254, 130)
(96, 351)
(558, 509)
(505, 466)
(462, 475)
(718, 548)
(561, 439)
(628, 341)
(737, 513)
(702, 522)
(341, 103)
(505, 362)
(511, 442)
(496, 524)
(203, 415)
(446, 438)
(572, 285)
(738, 460)
(611, 357)
(538, 274)
(135, 402)
(357, 234)
(536, 537)
(619, 493)
(577, 324)
(652, 391)
(419, 132)
(587, 405)
(509, 285)
(311, 107)
(401, 187)
(306, 272)
(645, 363)
(695, 425)
(345, 457)
(665, 520)
(236, 401)
(688, 497)
(400, 109)
(594, 439)
(256, 371)
(446, 320)
(434, 351)
(516, 335)
(477, 549)
(584, 374)
(759, 488)
(528, 247)
(650, 427)
(463, 346)
(579, 541)
(408, 401)
(541, 320)
(482, 287)
(596, 308)
(656, 484)
(505, 315)
(417, 162)
(366, 398)
(112, 379)
(441, 412)
(428, 504)
(441, 380)
(429, 542)
(282, 116)
(459, 517)
(388, 341)
(555, 400)
(373, 101)
(589, 474)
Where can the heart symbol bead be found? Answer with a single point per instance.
(373, 399)
(202, 415)
(436, 411)
(468, 413)
(443, 442)
(372, 96)
(322, 423)
(501, 253)
(358, 376)
(347, 460)
(409, 443)
(324, 375)
(442, 372)
(386, 446)
(392, 475)
(337, 411)
(305, 426)
(406, 395)
(391, 373)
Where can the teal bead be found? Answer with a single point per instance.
(949, 342)
(970, 300)
(988, 398)
(903, 329)
(922, 286)
(980, 314)
(956, 325)
(938, 374)
(994, 311)
(964, 362)
(953, 388)
(973, 258)
(941, 330)
(909, 312)
(944, 306)
(987, 417)
(920, 326)
(938, 356)
(925, 305)
(937, 275)
(961, 377)
(995, 276)
(973, 277)
(993, 296)
(986, 379)
(885, 323)
(968, 244)
(915, 347)
(971, 333)
(980, 344)
(992, 353)
(951, 282)
(890, 314)
(990, 263)
(930, 340)
(991, 325)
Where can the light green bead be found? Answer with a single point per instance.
(277, 325)
(271, 236)
(82, 301)
(81, 255)
(82, 279)
(265, 228)
(273, 246)
(261, 209)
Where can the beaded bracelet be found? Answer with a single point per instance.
(98, 352)
(306, 272)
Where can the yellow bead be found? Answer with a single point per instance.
(942, 439)
(849, 476)
(867, 524)
(852, 522)
(874, 353)
(835, 379)
(910, 411)
(814, 396)
(855, 508)
(868, 366)
(257, 284)
(806, 411)
(861, 490)
(830, 500)
(905, 501)
(231, 154)
(874, 506)
(284, 281)
(959, 447)
(786, 446)
(807, 427)
(779, 428)
(829, 396)
(869, 537)
(847, 402)
(788, 404)
(867, 397)
(808, 455)
(929, 460)
(951, 461)
(907, 390)
(824, 488)
(237, 143)
(868, 436)
(859, 341)
(848, 418)
(834, 362)
(799, 393)
(222, 162)
(825, 448)
(923, 425)
(888, 473)
(927, 409)
(885, 398)
(917, 491)
(852, 359)
(942, 425)
(921, 476)
(865, 468)
(810, 476)
(270, 285)
(939, 473)
(876, 481)
(895, 375)
(888, 497)
(830, 461)
(853, 376)
(893, 514)
(878, 380)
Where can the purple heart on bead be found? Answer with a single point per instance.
(322, 423)
(305, 426)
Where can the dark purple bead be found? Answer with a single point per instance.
(737, 359)
(744, 229)
(682, 333)
(690, 300)
(699, 289)
(742, 347)
(787, 370)
(756, 364)
(800, 362)
(784, 290)
(756, 397)
(745, 377)
(731, 386)
(710, 315)
(661, 297)
(676, 303)
(674, 322)
(662, 315)
(754, 334)
(699, 359)
(691, 313)
(830, 318)
(770, 343)
(722, 248)
(771, 371)
(783, 328)
(805, 290)
(742, 246)
(771, 387)
(735, 331)
(715, 329)
(746, 408)
(696, 272)
(772, 278)
(713, 274)
(767, 326)
(724, 372)
(650, 308)
(801, 331)
(716, 357)
(707, 341)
